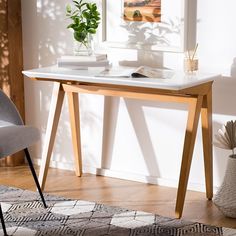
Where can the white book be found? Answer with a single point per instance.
(85, 65)
(94, 57)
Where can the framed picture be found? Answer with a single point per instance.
(162, 25)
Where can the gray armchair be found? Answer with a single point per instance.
(15, 136)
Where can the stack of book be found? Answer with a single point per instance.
(83, 62)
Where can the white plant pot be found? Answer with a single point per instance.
(225, 198)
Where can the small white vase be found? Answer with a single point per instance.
(84, 48)
(225, 198)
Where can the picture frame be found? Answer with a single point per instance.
(175, 33)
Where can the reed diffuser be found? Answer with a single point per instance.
(191, 61)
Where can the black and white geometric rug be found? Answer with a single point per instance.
(25, 216)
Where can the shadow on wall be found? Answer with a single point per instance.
(48, 27)
(137, 117)
(45, 39)
(43, 22)
(134, 108)
(224, 95)
(220, 156)
(142, 37)
(224, 103)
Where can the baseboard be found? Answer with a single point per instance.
(126, 176)
(143, 179)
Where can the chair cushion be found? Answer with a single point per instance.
(14, 138)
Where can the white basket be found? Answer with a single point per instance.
(225, 198)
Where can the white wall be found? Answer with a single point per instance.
(139, 140)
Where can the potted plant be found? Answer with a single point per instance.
(225, 198)
(85, 20)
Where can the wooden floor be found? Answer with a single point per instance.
(128, 194)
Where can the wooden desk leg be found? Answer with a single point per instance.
(75, 130)
(206, 115)
(190, 136)
(53, 119)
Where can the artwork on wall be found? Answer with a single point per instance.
(142, 10)
(162, 25)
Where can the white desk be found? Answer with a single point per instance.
(195, 90)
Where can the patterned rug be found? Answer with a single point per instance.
(25, 216)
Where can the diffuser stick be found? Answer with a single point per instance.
(194, 52)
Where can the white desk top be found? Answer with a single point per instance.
(175, 80)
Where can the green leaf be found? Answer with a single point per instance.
(77, 21)
(89, 6)
(70, 26)
(76, 2)
(86, 15)
(85, 10)
(75, 12)
(92, 31)
(81, 27)
(80, 36)
(97, 18)
(68, 8)
(83, 4)
(94, 7)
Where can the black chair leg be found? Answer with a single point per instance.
(35, 176)
(3, 222)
